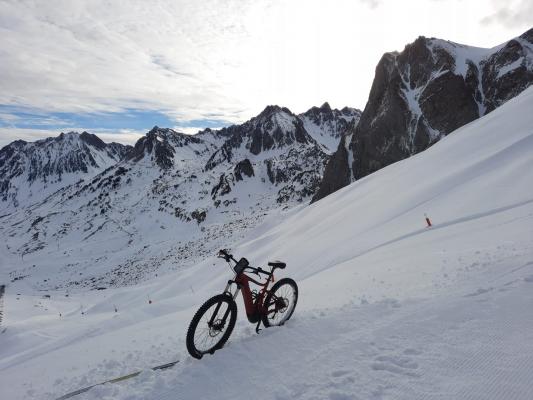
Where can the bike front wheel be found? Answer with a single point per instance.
(211, 326)
(280, 302)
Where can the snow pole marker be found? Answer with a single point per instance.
(428, 222)
(2, 290)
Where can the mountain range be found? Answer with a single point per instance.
(29, 172)
(101, 215)
(189, 193)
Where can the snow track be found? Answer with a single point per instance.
(462, 346)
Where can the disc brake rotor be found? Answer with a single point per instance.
(281, 304)
(216, 328)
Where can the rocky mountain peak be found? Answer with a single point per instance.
(39, 168)
(324, 112)
(325, 107)
(155, 145)
(271, 110)
(92, 140)
(423, 93)
(274, 128)
(327, 125)
(350, 112)
(161, 144)
(162, 133)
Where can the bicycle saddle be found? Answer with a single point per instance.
(276, 264)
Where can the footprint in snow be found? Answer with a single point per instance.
(529, 278)
(339, 373)
(412, 352)
(341, 377)
(401, 365)
(400, 361)
(479, 291)
(341, 396)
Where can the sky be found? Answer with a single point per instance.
(118, 67)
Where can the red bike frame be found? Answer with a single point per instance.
(254, 309)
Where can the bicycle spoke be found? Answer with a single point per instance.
(206, 337)
(276, 313)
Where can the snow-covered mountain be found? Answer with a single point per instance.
(29, 172)
(423, 93)
(388, 308)
(175, 198)
(320, 122)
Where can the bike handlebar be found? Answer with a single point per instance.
(223, 253)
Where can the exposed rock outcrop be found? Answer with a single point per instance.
(422, 94)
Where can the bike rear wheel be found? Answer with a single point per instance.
(211, 326)
(280, 302)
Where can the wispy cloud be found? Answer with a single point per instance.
(372, 3)
(74, 56)
(512, 14)
(74, 63)
(21, 117)
(138, 119)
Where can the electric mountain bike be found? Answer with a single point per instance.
(214, 321)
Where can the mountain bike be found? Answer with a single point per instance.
(214, 321)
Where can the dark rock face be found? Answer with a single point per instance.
(508, 72)
(336, 173)
(92, 140)
(423, 93)
(327, 125)
(159, 144)
(386, 100)
(119, 149)
(275, 128)
(243, 167)
(445, 96)
(221, 188)
(199, 215)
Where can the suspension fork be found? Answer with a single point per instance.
(227, 291)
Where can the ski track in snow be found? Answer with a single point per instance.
(454, 347)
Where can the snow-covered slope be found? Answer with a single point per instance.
(388, 308)
(171, 201)
(29, 172)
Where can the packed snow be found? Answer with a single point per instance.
(388, 308)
